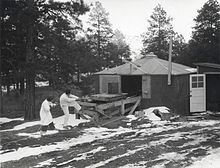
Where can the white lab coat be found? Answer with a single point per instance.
(69, 101)
(45, 114)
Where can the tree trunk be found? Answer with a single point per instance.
(30, 73)
(78, 75)
(1, 101)
(21, 85)
(8, 83)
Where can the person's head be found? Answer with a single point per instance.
(50, 98)
(68, 91)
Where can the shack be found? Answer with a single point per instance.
(148, 77)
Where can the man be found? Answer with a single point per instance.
(46, 118)
(68, 100)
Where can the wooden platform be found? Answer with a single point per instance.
(107, 106)
(107, 97)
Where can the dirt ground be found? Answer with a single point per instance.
(126, 143)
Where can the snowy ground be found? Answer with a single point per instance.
(137, 143)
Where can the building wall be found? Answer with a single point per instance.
(109, 84)
(96, 83)
(176, 96)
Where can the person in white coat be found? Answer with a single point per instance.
(68, 100)
(46, 118)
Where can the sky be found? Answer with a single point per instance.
(130, 16)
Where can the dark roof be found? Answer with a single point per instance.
(149, 64)
(210, 65)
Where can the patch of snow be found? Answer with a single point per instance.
(72, 121)
(136, 165)
(45, 163)
(89, 136)
(151, 116)
(41, 84)
(82, 156)
(128, 153)
(162, 109)
(167, 157)
(22, 126)
(203, 123)
(172, 156)
(5, 120)
(37, 134)
(57, 121)
(210, 161)
(131, 117)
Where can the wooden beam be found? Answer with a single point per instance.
(119, 118)
(122, 108)
(102, 112)
(87, 104)
(118, 103)
(135, 106)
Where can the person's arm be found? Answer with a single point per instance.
(68, 99)
(73, 97)
(46, 107)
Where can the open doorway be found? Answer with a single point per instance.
(213, 92)
(131, 84)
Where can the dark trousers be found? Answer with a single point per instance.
(48, 127)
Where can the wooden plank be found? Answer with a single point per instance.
(128, 109)
(122, 108)
(115, 112)
(81, 115)
(118, 103)
(87, 104)
(113, 120)
(93, 114)
(135, 106)
(102, 112)
(108, 97)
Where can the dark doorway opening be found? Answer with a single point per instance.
(131, 85)
(213, 92)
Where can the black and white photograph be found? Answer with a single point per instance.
(109, 83)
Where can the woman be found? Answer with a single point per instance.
(45, 115)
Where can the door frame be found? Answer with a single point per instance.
(204, 90)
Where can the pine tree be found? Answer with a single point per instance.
(157, 37)
(99, 33)
(205, 43)
(119, 49)
(45, 29)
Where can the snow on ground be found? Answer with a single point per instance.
(5, 120)
(210, 161)
(93, 134)
(57, 121)
(45, 163)
(151, 116)
(89, 136)
(82, 156)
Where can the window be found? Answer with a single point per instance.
(197, 82)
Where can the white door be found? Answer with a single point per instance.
(197, 93)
